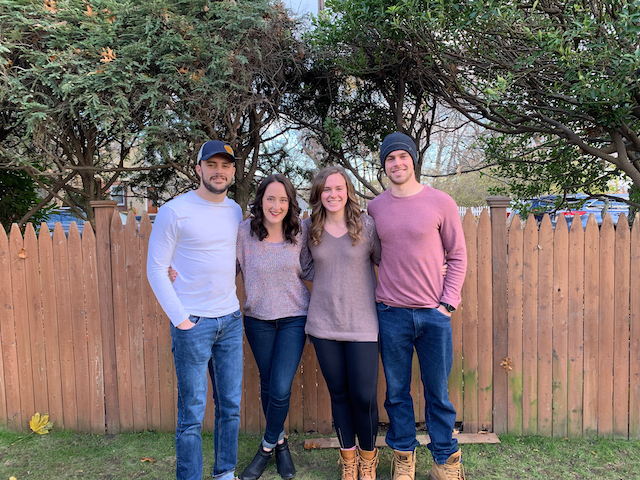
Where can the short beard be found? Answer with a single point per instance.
(214, 190)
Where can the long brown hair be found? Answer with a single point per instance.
(319, 214)
(291, 223)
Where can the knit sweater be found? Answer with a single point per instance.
(342, 303)
(273, 275)
(418, 235)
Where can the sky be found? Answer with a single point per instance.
(302, 6)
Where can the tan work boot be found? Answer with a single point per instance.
(367, 463)
(451, 470)
(349, 462)
(403, 465)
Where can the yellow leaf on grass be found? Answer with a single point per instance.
(51, 6)
(13, 478)
(40, 424)
(107, 55)
(147, 459)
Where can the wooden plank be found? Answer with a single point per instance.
(21, 316)
(383, 416)
(591, 307)
(463, 438)
(500, 346)
(208, 424)
(94, 331)
(417, 388)
(104, 210)
(514, 314)
(485, 325)
(121, 323)
(634, 347)
(325, 423)
(455, 378)
(470, 326)
(10, 411)
(295, 404)
(166, 370)
(36, 325)
(560, 332)
(606, 328)
(136, 328)
(575, 326)
(530, 329)
(253, 405)
(621, 330)
(50, 325)
(545, 327)
(65, 328)
(150, 331)
(309, 390)
(79, 327)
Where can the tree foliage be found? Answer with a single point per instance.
(562, 76)
(96, 90)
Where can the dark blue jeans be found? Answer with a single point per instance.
(217, 339)
(277, 347)
(429, 332)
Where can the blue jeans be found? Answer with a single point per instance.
(429, 332)
(219, 340)
(277, 347)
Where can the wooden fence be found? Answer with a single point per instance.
(547, 339)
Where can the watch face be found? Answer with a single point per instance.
(449, 308)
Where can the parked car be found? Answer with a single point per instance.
(65, 216)
(595, 205)
(548, 204)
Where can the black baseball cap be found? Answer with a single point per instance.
(215, 147)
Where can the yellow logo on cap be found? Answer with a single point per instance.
(228, 149)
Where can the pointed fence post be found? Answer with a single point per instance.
(103, 213)
(498, 206)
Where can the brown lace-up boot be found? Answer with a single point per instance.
(367, 463)
(349, 461)
(451, 470)
(403, 465)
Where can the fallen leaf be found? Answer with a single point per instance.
(51, 6)
(536, 450)
(89, 12)
(197, 76)
(108, 55)
(594, 453)
(40, 425)
(183, 70)
(456, 431)
(147, 459)
(22, 254)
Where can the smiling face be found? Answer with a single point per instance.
(275, 204)
(216, 173)
(334, 194)
(399, 167)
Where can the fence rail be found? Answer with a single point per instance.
(546, 341)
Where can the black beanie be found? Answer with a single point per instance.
(398, 141)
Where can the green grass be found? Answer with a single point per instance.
(65, 455)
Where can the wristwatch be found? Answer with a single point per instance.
(450, 308)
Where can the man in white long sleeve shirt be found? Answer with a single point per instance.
(196, 234)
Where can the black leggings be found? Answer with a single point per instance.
(351, 372)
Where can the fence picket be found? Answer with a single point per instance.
(621, 330)
(634, 308)
(514, 311)
(560, 313)
(606, 328)
(10, 412)
(545, 327)
(530, 330)
(470, 327)
(591, 307)
(94, 331)
(485, 325)
(575, 327)
(50, 325)
(17, 254)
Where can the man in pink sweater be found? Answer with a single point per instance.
(419, 229)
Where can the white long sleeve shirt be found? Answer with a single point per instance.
(198, 239)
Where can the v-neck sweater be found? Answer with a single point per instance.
(342, 305)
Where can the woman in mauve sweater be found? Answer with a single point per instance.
(274, 260)
(342, 319)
